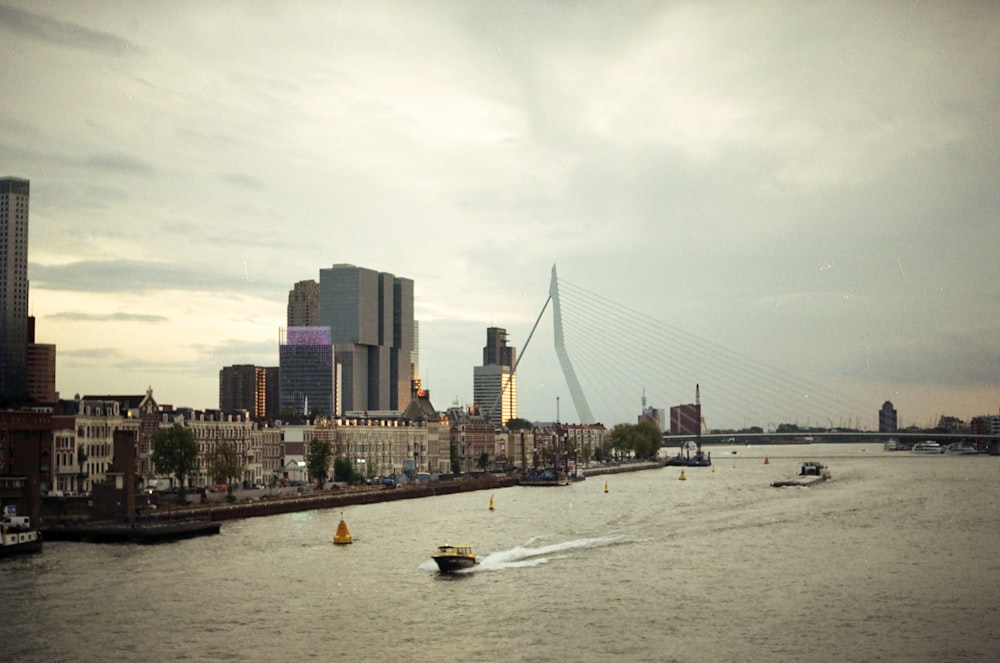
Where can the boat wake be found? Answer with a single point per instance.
(529, 555)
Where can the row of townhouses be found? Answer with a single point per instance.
(419, 441)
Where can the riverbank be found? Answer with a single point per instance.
(162, 521)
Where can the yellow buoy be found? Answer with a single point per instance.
(491, 502)
(605, 486)
(682, 477)
(343, 535)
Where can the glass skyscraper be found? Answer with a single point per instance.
(370, 316)
(14, 194)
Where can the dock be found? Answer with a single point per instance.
(130, 532)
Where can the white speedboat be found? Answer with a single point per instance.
(927, 447)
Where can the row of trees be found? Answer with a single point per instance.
(642, 440)
(175, 452)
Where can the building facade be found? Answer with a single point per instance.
(303, 304)
(370, 316)
(887, 419)
(308, 372)
(244, 387)
(685, 419)
(14, 198)
(494, 387)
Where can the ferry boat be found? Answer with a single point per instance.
(17, 537)
(961, 449)
(454, 558)
(546, 477)
(928, 447)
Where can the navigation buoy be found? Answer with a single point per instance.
(343, 535)
(491, 502)
(682, 477)
(765, 460)
(605, 486)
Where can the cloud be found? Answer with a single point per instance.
(118, 161)
(133, 276)
(63, 33)
(77, 316)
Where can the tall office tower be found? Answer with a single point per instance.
(887, 418)
(370, 315)
(13, 287)
(303, 304)
(496, 377)
(308, 372)
(244, 387)
(415, 356)
(40, 361)
(272, 392)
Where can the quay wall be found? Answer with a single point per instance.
(624, 467)
(333, 499)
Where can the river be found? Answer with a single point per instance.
(894, 559)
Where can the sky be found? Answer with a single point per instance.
(813, 185)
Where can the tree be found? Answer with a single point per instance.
(519, 424)
(318, 461)
(175, 452)
(484, 461)
(624, 438)
(649, 439)
(344, 471)
(223, 464)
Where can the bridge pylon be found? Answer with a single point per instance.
(575, 391)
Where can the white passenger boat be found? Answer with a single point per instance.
(927, 447)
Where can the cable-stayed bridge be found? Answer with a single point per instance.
(612, 356)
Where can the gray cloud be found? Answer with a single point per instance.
(63, 33)
(123, 275)
(116, 161)
(78, 316)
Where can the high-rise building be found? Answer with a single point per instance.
(303, 304)
(14, 194)
(370, 316)
(887, 418)
(494, 386)
(308, 372)
(41, 368)
(245, 387)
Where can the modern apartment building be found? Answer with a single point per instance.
(494, 386)
(307, 371)
(303, 304)
(14, 195)
(246, 387)
(370, 316)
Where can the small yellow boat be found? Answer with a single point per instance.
(454, 558)
(342, 535)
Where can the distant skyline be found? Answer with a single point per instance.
(812, 185)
